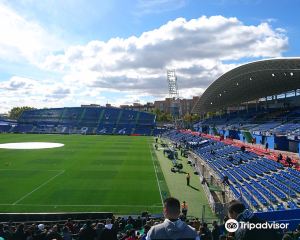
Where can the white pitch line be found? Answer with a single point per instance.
(32, 170)
(151, 150)
(78, 205)
(43, 184)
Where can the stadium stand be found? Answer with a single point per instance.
(84, 120)
(262, 184)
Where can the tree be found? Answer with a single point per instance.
(190, 119)
(16, 112)
(162, 116)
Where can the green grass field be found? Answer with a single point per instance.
(89, 174)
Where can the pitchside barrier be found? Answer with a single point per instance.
(48, 217)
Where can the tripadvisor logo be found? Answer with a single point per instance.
(232, 225)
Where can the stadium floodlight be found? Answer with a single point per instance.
(172, 82)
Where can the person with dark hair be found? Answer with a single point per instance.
(238, 211)
(19, 234)
(54, 234)
(87, 232)
(129, 225)
(109, 232)
(205, 232)
(289, 161)
(131, 235)
(279, 157)
(146, 230)
(66, 233)
(215, 233)
(172, 227)
(4, 233)
(243, 148)
(296, 233)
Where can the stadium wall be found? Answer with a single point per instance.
(287, 216)
(282, 143)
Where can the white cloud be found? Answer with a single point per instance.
(135, 67)
(196, 48)
(22, 39)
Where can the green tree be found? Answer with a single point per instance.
(16, 112)
(162, 116)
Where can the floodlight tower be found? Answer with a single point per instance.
(173, 94)
(172, 82)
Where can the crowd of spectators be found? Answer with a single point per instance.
(172, 226)
(109, 229)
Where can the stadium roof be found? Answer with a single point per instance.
(249, 82)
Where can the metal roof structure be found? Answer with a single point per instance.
(249, 82)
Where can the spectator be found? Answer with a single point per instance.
(196, 224)
(215, 233)
(53, 234)
(146, 230)
(87, 232)
(206, 232)
(172, 227)
(67, 235)
(279, 157)
(237, 211)
(41, 232)
(109, 232)
(223, 230)
(131, 235)
(99, 229)
(243, 148)
(289, 161)
(296, 233)
(129, 225)
(19, 234)
(203, 234)
(4, 233)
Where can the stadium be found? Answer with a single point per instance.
(114, 161)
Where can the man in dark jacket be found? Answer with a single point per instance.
(4, 233)
(87, 232)
(53, 234)
(215, 231)
(109, 232)
(237, 211)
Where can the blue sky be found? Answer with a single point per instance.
(66, 53)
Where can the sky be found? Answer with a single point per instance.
(57, 53)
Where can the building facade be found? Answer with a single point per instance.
(185, 105)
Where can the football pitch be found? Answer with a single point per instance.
(88, 174)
